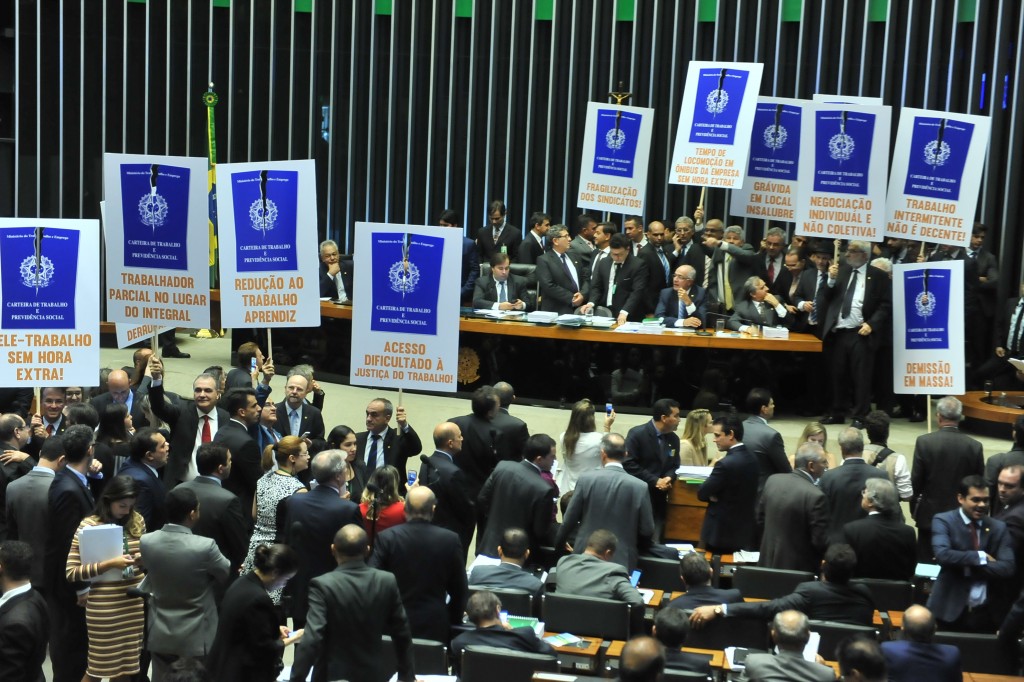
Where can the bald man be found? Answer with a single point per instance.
(119, 391)
(643, 660)
(456, 510)
(916, 656)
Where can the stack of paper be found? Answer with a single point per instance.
(775, 332)
(101, 543)
(542, 316)
(569, 320)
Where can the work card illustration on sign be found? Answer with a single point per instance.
(154, 212)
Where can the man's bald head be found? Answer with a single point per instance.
(349, 543)
(420, 503)
(918, 624)
(643, 660)
(448, 437)
(118, 379)
(791, 630)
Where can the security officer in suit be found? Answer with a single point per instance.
(499, 236)
(620, 283)
(653, 456)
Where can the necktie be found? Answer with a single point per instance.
(378, 452)
(1013, 343)
(760, 313)
(572, 275)
(664, 264)
(611, 283)
(543, 243)
(682, 310)
(819, 297)
(974, 536)
(771, 271)
(848, 298)
(497, 233)
(502, 295)
(726, 284)
(49, 429)
(707, 272)
(972, 254)
(206, 437)
(342, 294)
(293, 419)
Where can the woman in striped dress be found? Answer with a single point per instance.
(113, 619)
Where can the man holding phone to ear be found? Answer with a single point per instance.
(296, 417)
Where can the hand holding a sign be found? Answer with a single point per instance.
(268, 372)
(401, 418)
(833, 271)
(698, 215)
(37, 427)
(156, 367)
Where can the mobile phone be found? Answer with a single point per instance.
(739, 655)
(253, 366)
(608, 408)
(305, 435)
(412, 477)
(634, 578)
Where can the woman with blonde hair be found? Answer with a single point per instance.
(581, 444)
(815, 432)
(693, 446)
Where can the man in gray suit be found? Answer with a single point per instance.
(790, 632)
(27, 504)
(509, 574)
(182, 571)
(792, 514)
(594, 574)
(612, 499)
(764, 442)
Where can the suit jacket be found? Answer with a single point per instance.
(222, 519)
(349, 609)
(530, 249)
(1003, 322)
(765, 443)
(793, 515)
(885, 548)
(668, 305)
(729, 522)
(485, 292)
(582, 248)
(69, 502)
(941, 460)
(183, 418)
(514, 434)
(152, 492)
(819, 600)
(961, 567)
(806, 290)
(24, 632)
(555, 287)
(843, 486)
(8, 473)
(693, 256)
(785, 666)
(139, 420)
(742, 267)
(399, 448)
(911, 661)
(428, 563)
(705, 595)
(510, 238)
(745, 313)
(522, 639)
(28, 517)
(310, 419)
(588, 576)
(656, 277)
(611, 499)
(649, 458)
(246, 460)
(630, 291)
(182, 569)
(479, 455)
(506, 576)
(470, 269)
(877, 305)
(515, 496)
(247, 646)
(455, 510)
(310, 522)
(329, 288)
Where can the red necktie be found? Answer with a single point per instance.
(206, 437)
(49, 429)
(974, 537)
(771, 271)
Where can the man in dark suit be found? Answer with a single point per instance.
(730, 491)
(594, 574)
(246, 467)
(502, 290)
(975, 554)
(335, 273)
(658, 257)
(843, 485)
(686, 250)
(14, 435)
(885, 546)
(380, 445)
(562, 278)
(514, 430)
(1015, 455)
(858, 303)
(119, 391)
(515, 495)
(790, 632)
(609, 498)
(535, 243)
(295, 416)
(428, 563)
(831, 598)
(941, 461)
(684, 304)
(583, 243)
(484, 611)
(602, 238)
(27, 518)
(470, 259)
(310, 522)
(24, 622)
(762, 441)
(792, 513)
(754, 304)
(222, 518)
(456, 511)
(733, 262)
(499, 236)
(349, 609)
(1008, 343)
(916, 656)
(620, 283)
(191, 421)
(810, 290)
(69, 502)
(478, 455)
(1010, 510)
(652, 455)
(49, 419)
(771, 265)
(513, 551)
(983, 267)
(148, 454)
(696, 574)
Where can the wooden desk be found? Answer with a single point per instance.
(895, 619)
(685, 514)
(614, 652)
(657, 598)
(583, 658)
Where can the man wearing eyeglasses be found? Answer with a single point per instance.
(685, 303)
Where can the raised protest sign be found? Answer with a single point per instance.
(715, 120)
(616, 148)
(844, 159)
(157, 240)
(405, 315)
(49, 310)
(773, 170)
(936, 174)
(268, 245)
(928, 328)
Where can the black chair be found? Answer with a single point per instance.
(516, 602)
(431, 657)
(670, 675)
(588, 616)
(767, 583)
(724, 632)
(491, 664)
(982, 653)
(888, 595)
(834, 633)
(660, 574)
(525, 270)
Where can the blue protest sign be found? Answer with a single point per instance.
(842, 154)
(154, 207)
(406, 282)
(720, 93)
(617, 135)
(926, 302)
(265, 205)
(775, 143)
(938, 156)
(39, 275)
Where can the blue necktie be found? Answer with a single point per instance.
(294, 420)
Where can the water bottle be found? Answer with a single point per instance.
(588, 315)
